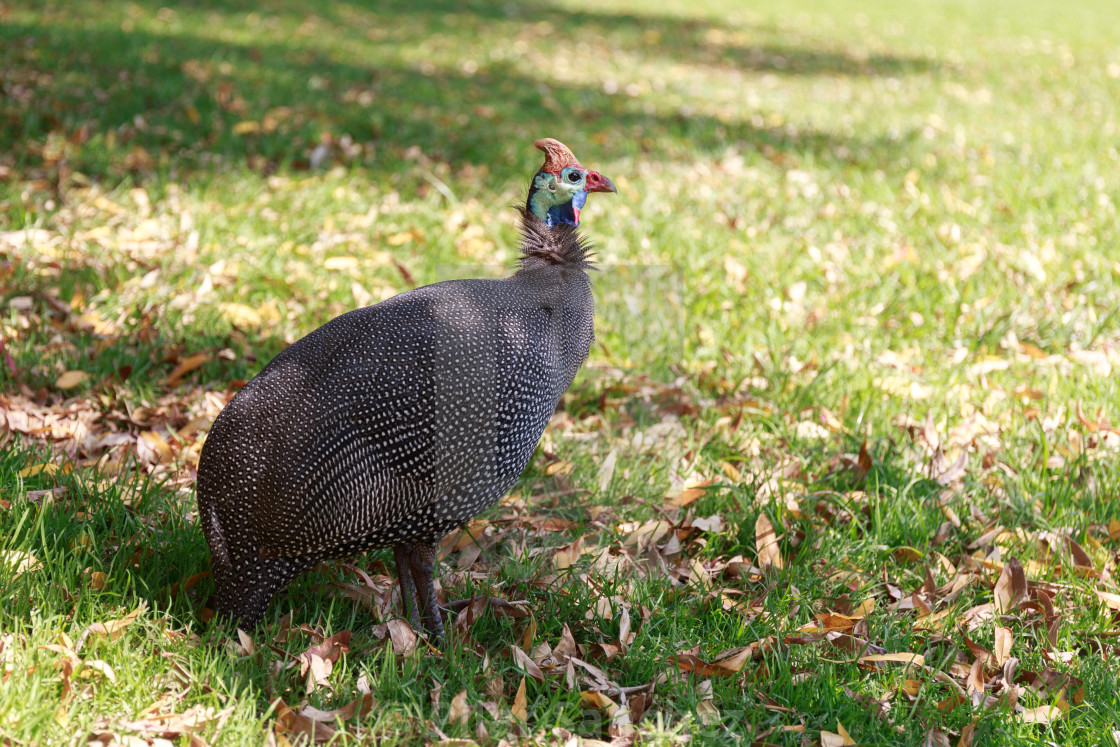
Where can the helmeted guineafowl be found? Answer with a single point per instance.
(393, 424)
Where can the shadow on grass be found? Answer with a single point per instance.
(131, 529)
(189, 92)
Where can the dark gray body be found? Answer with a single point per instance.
(389, 425)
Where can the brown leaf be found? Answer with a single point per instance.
(1045, 714)
(567, 555)
(907, 554)
(1011, 587)
(624, 627)
(317, 670)
(470, 615)
(602, 681)
(638, 703)
(1112, 601)
(70, 379)
(975, 681)
(864, 460)
(603, 608)
(248, 648)
(359, 707)
(19, 561)
(523, 662)
(112, 629)
(566, 647)
(157, 445)
(1001, 649)
(289, 722)
(460, 711)
(173, 725)
(599, 701)
(978, 651)
(332, 648)
(707, 712)
(185, 366)
(561, 467)
(689, 494)
(968, 733)
(726, 664)
(530, 634)
(897, 658)
(766, 543)
(520, 707)
(1078, 554)
(403, 637)
(935, 738)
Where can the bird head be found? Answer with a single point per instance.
(559, 190)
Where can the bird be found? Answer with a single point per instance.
(393, 424)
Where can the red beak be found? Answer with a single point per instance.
(596, 182)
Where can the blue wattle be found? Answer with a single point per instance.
(565, 213)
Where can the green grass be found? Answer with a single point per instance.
(836, 224)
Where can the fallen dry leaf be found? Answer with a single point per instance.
(460, 711)
(317, 670)
(606, 471)
(97, 665)
(112, 629)
(526, 664)
(1011, 587)
(332, 648)
(403, 637)
(707, 712)
(766, 543)
(975, 680)
(690, 492)
(70, 379)
(1001, 649)
(185, 366)
(520, 707)
(248, 648)
(289, 722)
(38, 469)
(1112, 601)
(359, 707)
(1046, 714)
(565, 556)
(727, 663)
(20, 561)
(599, 701)
(897, 658)
(174, 725)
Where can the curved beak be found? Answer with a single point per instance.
(596, 182)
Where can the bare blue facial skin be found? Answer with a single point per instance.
(557, 199)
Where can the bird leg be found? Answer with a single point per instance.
(403, 555)
(423, 567)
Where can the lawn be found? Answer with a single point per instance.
(844, 464)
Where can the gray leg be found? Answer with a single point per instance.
(423, 566)
(403, 555)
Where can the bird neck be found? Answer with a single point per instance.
(543, 245)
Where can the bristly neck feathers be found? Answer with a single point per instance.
(543, 245)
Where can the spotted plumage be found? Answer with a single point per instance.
(395, 423)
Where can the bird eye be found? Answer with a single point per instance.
(574, 177)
